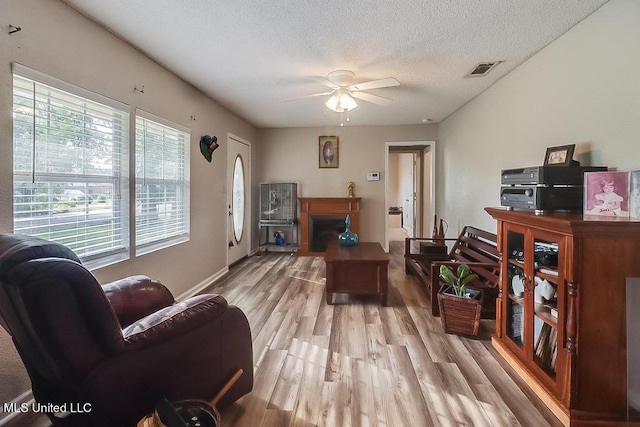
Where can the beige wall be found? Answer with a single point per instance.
(583, 89)
(60, 42)
(291, 155)
(100, 62)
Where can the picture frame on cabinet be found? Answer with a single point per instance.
(606, 193)
(634, 194)
(561, 155)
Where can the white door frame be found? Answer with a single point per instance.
(432, 204)
(248, 195)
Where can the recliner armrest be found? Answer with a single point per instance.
(135, 297)
(173, 321)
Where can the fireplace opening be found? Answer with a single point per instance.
(324, 229)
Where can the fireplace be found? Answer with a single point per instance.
(322, 219)
(324, 229)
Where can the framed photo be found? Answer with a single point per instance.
(634, 194)
(606, 193)
(328, 154)
(561, 155)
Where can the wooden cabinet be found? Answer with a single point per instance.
(561, 316)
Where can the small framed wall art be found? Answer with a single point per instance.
(561, 155)
(328, 153)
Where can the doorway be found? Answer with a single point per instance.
(238, 198)
(409, 189)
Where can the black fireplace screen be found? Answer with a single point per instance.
(324, 229)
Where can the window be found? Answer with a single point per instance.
(162, 183)
(70, 167)
(237, 198)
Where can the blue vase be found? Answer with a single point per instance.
(348, 238)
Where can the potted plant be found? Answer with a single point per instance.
(459, 306)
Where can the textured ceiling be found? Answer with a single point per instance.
(252, 56)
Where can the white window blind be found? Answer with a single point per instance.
(70, 166)
(162, 183)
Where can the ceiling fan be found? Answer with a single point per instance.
(344, 91)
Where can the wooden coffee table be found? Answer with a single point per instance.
(359, 269)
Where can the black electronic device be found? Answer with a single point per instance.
(548, 175)
(540, 198)
(545, 255)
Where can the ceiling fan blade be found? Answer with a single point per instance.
(326, 82)
(375, 84)
(380, 100)
(308, 96)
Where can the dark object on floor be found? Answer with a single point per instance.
(185, 413)
(114, 350)
(168, 414)
(188, 413)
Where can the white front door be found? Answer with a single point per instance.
(238, 198)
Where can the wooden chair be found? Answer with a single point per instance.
(475, 247)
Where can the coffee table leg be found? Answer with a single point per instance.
(330, 282)
(384, 284)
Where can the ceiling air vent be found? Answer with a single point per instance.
(482, 69)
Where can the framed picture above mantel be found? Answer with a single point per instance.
(328, 153)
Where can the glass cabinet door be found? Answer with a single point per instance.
(515, 297)
(546, 276)
(531, 299)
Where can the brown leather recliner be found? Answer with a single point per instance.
(110, 352)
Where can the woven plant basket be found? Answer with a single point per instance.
(459, 315)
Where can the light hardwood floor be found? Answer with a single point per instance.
(356, 363)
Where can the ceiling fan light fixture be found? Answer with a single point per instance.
(347, 102)
(332, 103)
(341, 101)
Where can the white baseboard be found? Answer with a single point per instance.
(24, 398)
(202, 285)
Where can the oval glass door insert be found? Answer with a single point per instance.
(238, 198)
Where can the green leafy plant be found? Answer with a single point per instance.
(459, 280)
